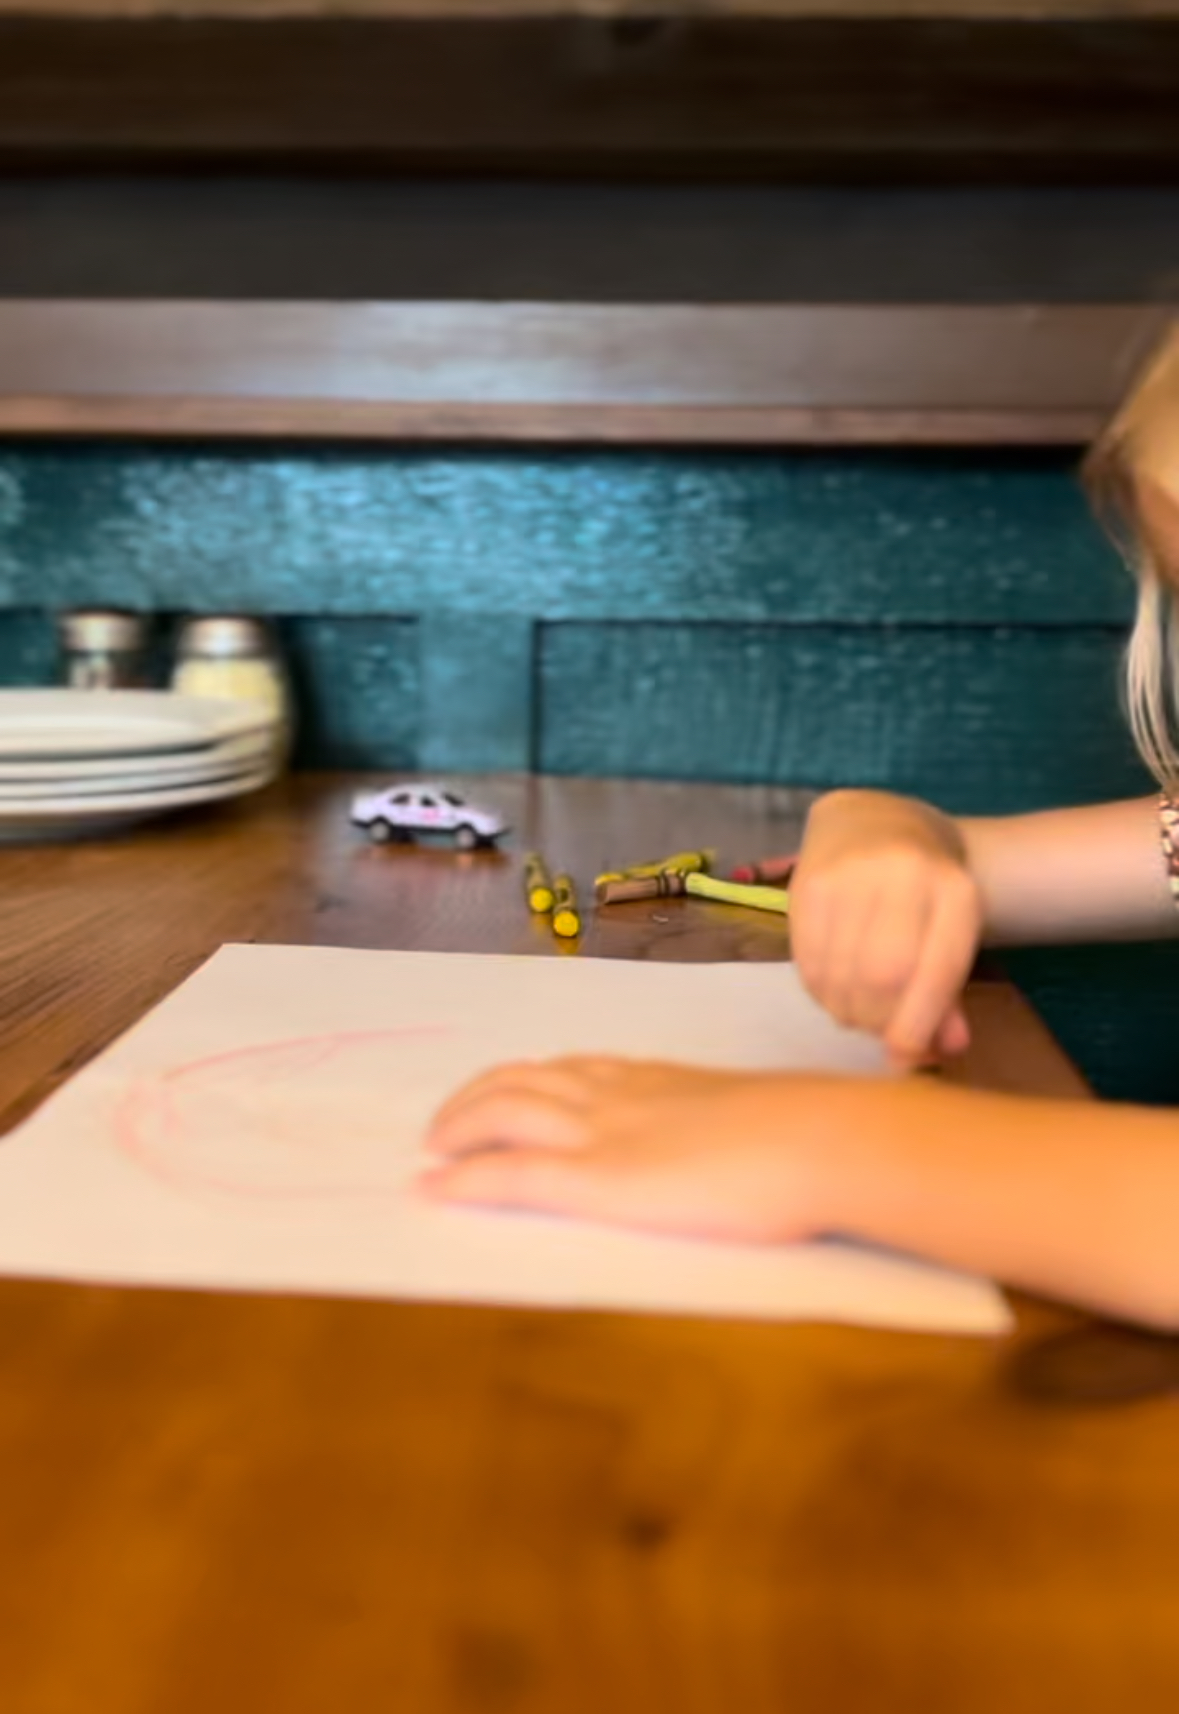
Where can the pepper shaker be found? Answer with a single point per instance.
(103, 649)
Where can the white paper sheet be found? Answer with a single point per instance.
(262, 1130)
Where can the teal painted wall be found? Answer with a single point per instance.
(948, 625)
(806, 537)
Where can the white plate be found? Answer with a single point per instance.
(77, 817)
(164, 782)
(131, 773)
(63, 725)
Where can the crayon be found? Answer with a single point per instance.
(683, 863)
(566, 916)
(771, 872)
(667, 886)
(538, 888)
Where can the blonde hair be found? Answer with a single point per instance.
(1151, 682)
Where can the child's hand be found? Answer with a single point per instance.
(728, 1155)
(885, 921)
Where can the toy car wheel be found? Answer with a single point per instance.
(380, 832)
(466, 838)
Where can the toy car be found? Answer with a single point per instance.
(400, 812)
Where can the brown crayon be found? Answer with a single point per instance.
(667, 885)
(670, 886)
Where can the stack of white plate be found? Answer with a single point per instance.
(75, 762)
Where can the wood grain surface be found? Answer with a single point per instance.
(646, 374)
(252, 1503)
(1059, 10)
(834, 90)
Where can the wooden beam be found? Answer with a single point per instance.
(650, 374)
(1055, 10)
(829, 90)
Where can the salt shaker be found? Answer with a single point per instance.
(102, 649)
(235, 657)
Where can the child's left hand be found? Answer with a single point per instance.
(719, 1154)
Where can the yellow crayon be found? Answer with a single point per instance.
(566, 916)
(538, 888)
(733, 893)
(683, 863)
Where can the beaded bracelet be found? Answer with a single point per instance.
(1169, 829)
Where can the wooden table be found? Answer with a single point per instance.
(285, 1506)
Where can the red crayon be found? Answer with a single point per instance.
(771, 872)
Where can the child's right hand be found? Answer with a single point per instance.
(885, 921)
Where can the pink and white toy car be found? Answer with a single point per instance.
(402, 812)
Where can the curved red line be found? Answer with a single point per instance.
(153, 1098)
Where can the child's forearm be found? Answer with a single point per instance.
(1075, 1200)
(1072, 874)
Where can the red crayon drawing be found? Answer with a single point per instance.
(320, 1117)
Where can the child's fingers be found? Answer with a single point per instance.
(954, 1035)
(952, 1039)
(716, 1193)
(507, 1118)
(883, 963)
(554, 1078)
(939, 978)
(826, 933)
(535, 1178)
(810, 919)
(591, 1067)
(514, 1070)
(841, 982)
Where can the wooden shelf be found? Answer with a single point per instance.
(833, 90)
(790, 10)
(650, 374)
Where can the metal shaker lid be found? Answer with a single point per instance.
(224, 637)
(102, 630)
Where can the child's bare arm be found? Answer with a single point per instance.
(1072, 875)
(1076, 1200)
